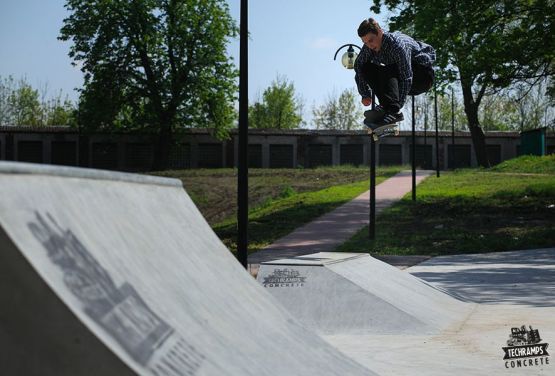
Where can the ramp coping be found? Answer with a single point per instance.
(23, 168)
(317, 259)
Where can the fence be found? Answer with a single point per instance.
(267, 149)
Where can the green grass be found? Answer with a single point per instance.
(214, 191)
(277, 218)
(280, 200)
(528, 164)
(470, 211)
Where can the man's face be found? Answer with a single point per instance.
(373, 41)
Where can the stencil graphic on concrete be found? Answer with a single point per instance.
(120, 311)
(116, 274)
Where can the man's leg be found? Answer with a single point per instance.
(422, 79)
(384, 82)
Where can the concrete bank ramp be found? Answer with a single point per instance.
(344, 293)
(112, 274)
(398, 324)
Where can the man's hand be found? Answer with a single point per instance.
(366, 101)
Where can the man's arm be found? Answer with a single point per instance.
(404, 64)
(362, 86)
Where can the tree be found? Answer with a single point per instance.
(534, 107)
(59, 111)
(159, 65)
(485, 45)
(21, 104)
(6, 88)
(25, 104)
(343, 112)
(279, 107)
(517, 108)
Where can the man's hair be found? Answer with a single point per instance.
(368, 26)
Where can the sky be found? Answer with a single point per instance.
(296, 39)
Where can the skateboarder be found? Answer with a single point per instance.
(392, 65)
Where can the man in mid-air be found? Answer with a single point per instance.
(392, 65)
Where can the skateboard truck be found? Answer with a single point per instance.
(392, 130)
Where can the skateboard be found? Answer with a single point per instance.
(390, 130)
(376, 114)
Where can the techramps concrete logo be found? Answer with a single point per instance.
(525, 349)
(284, 278)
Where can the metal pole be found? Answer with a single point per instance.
(413, 156)
(425, 119)
(372, 219)
(437, 132)
(452, 125)
(243, 172)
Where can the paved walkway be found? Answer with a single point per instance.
(334, 228)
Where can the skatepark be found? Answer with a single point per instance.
(112, 273)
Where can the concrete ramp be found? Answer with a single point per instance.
(399, 324)
(354, 293)
(112, 274)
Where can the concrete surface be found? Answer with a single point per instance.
(329, 231)
(517, 278)
(506, 290)
(470, 303)
(353, 293)
(112, 274)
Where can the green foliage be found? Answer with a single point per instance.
(515, 109)
(492, 42)
(278, 109)
(518, 108)
(21, 104)
(528, 164)
(153, 64)
(425, 112)
(288, 191)
(343, 112)
(484, 45)
(59, 111)
(26, 106)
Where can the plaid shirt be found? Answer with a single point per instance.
(397, 48)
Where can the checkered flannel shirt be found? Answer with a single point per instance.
(397, 48)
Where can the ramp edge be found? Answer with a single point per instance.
(85, 173)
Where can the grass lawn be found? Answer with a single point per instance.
(508, 207)
(280, 200)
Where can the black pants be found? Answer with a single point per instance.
(384, 82)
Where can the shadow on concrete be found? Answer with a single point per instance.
(522, 278)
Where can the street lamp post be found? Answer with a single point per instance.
(437, 131)
(452, 125)
(242, 165)
(372, 219)
(348, 61)
(413, 152)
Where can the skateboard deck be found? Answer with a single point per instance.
(390, 130)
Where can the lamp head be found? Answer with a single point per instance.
(349, 57)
